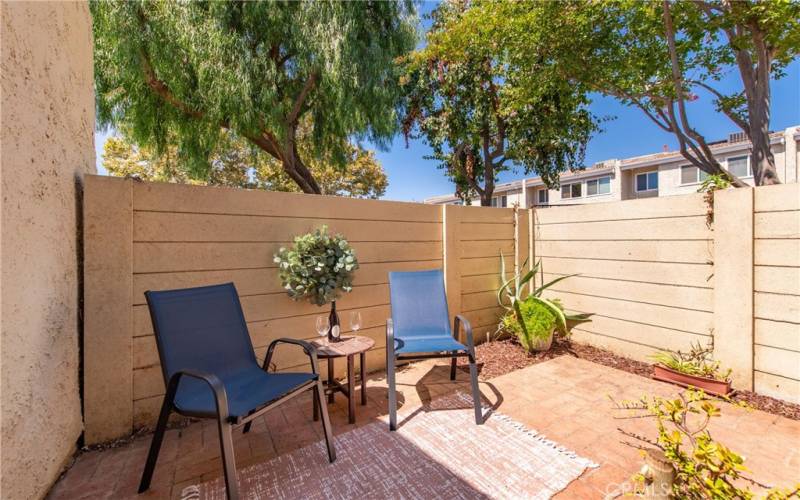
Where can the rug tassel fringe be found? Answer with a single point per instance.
(191, 493)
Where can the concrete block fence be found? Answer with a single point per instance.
(653, 272)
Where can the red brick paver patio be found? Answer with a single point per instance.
(565, 399)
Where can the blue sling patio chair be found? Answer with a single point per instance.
(211, 371)
(420, 329)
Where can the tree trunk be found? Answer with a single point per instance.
(764, 171)
(486, 199)
(297, 170)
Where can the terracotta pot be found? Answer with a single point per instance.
(709, 385)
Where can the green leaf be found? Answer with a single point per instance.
(561, 320)
(538, 291)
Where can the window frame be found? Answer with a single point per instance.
(738, 157)
(546, 193)
(500, 201)
(597, 181)
(570, 185)
(697, 180)
(648, 188)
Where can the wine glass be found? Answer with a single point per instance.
(355, 321)
(322, 325)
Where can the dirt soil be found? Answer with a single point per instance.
(499, 357)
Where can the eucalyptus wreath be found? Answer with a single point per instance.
(319, 267)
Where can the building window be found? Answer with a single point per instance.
(647, 181)
(543, 196)
(692, 175)
(740, 166)
(571, 190)
(595, 187)
(500, 201)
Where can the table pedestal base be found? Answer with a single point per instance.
(332, 386)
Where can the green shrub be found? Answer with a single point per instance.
(697, 362)
(516, 291)
(704, 468)
(539, 323)
(318, 267)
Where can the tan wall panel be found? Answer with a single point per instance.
(776, 198)
(265, 319)
(777, 334)
(777, 224)
(162, 226)
(697, 252)
(670, 228)
(165, 197)
(145, 352)
(474, 231)
(618, 346)
(471, 284)
(777, 279)
(209, 256)
(484, 317)
(147, 382)
(698, 275)
(483, 214)
(666, 295)
(491, 248)
(777, 387)
(646, 314)
(777, 252)
(651, 337)
(263, 281)
(479, 300)
(486, 265)
(777, 362)
(777, 307)
(672, 206)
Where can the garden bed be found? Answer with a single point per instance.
(499, 357)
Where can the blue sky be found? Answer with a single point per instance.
(630, 133)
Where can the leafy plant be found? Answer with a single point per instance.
(536, 326)
(711, 184)
(697, 362)
(318, 267)
(511, 296)
(704, 468)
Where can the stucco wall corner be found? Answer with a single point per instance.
(47, 121)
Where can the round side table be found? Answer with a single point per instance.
(347, 347)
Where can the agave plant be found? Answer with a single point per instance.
(510, 296)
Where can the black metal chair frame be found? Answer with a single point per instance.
(469, 353)
(227, 423)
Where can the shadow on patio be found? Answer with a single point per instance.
(565, 399)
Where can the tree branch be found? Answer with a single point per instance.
(294, 114)
(730, 114)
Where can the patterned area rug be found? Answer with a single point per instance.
(438, 452)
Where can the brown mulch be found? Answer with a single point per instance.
(499, 357)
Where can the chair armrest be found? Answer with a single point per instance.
(389, 339)
(216, 385)
(462, 321)
(308, 348)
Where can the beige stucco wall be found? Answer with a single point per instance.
(47, 145)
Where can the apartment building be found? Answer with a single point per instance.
(659, 174)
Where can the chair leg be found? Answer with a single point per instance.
(453, 363)
(319, 400)
(228, 461)
(155, 445)
(476, 392)
(392, 394)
